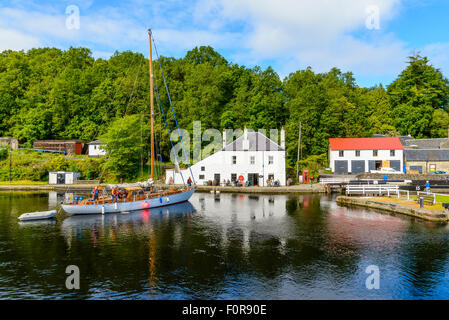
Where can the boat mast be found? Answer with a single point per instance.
(151, 108)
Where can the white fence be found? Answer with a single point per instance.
(390, 190)
(372, 189)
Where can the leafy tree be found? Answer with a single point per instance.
(418, 91)
(124, 146)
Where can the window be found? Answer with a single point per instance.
(341, 153)
(391, 153)
(201, 176)
(233, 176)
(357, 153)
(234, 159)
(270, 159)
(203, 168)
(375, 153)
(252, 160)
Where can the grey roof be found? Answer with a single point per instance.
(425, 143)
(95, 142)
(257, 142)
(403, 139)
(426, 154)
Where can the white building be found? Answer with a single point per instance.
(95, 149)
(357, 155)
(62, 177)
(252, 157)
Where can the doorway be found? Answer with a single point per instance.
(60, 178)
(378, 165)
(253, 179)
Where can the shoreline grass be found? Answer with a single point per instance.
(22, 182)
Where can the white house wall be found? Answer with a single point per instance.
(366, 155)
(96, 150)
(221, 163)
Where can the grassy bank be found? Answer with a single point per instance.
(22, 183)
(27, 167)
(30, 167)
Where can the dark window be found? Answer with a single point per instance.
(233, 176)
(203, 168)
(201, 176)
(341, 153)
(374, 153)
(270, 159)
(234, 159)
(357, 153)
(391, 153)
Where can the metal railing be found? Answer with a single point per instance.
(372, 189)
(392, 190)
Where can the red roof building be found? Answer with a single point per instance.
(357, 155)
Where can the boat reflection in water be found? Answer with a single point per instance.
(74, 226)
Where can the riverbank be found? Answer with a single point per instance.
(406, 207)
(306, 188)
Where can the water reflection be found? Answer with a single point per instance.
(232, 246)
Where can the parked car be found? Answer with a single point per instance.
(386, 170)
(438, 172)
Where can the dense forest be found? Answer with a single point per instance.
(49, 93)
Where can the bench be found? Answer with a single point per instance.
(426, 199)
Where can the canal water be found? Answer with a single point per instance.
(229, 246)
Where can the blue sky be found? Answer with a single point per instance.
(371, 38)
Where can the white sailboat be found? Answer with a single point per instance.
(137, 198)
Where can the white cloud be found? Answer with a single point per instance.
(14, 40)
(105, 28)
(316, 33)
(438, 55)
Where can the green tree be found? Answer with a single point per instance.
(124, 144)
(418, 91)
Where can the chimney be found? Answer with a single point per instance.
(282, 138)
(245, 140)
(224, 138)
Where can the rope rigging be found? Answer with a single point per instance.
(173, 111)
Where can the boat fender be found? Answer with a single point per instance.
(160, 200)
(102, 209)
(167, 199)
(115, 205)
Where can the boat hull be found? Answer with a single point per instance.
(129, 206)
(31, 216)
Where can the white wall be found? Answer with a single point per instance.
(96, 150)
(221, 162)
(366, 155)
(70, 177)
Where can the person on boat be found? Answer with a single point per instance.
(96, 192)
(189, 182)
(114, 194)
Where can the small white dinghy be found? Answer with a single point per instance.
(38, 215)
